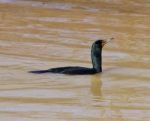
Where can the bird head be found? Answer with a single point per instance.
(101, 43)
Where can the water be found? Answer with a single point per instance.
(39, 35)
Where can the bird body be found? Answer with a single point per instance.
(71, 70)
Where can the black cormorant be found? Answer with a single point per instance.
(96, 56)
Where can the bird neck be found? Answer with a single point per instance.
(96, 56)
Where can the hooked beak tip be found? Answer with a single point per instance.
(106, 41)
(109, 40)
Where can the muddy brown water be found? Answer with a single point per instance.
(43, 34)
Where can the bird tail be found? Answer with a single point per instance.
(39, 71)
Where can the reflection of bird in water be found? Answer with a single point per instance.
(96, 84)
(96, 56)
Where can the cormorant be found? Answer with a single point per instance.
(96, 56)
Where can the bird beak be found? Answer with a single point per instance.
(106, 41)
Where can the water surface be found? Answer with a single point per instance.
(42, 34)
